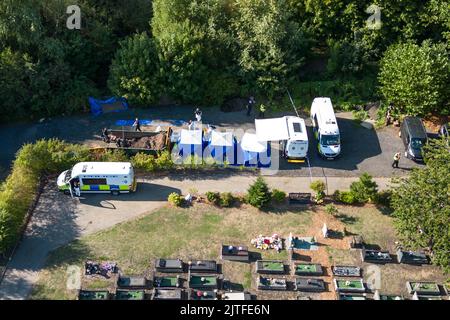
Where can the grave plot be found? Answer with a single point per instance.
(130, 295)
(307, 269)
(132, 282)
(234, 253)
(236, 296)
(167, 282)
(357, 242)
(167, 294)
(376, 256)
(349, 285)
(299, 198)
(266, 283)
(346, 271)
(301, 243)
(202, 295)
(386, 297)
(412, 257)
(351, 296)
(93, 295)
(309, 285)
(270, 267)
(423, 288)
(169, 265)
(423, 297)
(203, 266)
(203, 282)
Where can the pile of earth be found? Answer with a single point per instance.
(156, 142)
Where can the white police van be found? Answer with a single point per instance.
(325, 128)
(290, 131)
(98, 177)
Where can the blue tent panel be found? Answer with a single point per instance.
(112, 104)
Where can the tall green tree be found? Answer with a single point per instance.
(415, 78)
(134, 71)
(421, 204)
(271, 45)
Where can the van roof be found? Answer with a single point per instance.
(297, 128)
(415, 127)
(101, 168)
(323, 107)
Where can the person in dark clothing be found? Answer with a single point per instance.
(105, 136)
(137, 125)
(251, 103)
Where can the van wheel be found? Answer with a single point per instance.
(115, 192)
(66, 192)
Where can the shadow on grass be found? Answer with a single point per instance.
(75, 252)
(346, 219)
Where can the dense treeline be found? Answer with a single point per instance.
(202, 51)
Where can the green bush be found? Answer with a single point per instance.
(331, 209)
(318, 187)
(360, 115)
(258, 194)
(278, 196)
(226, 199)
(164, 161)
(18, 191)
(113, 156)
(144, 161)
(365, 189)
(383, 198)
(175, 199)
(346, 197)
(213, 197)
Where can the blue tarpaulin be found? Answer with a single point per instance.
(147, 122)
(253, 153)
(221, 148)
(112, 104)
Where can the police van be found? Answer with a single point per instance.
(98, 177)
(290, 131)
(325, 128)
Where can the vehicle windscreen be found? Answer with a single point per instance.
(417, 143)
(68, 176)
(329, 140)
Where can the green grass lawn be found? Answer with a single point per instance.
(167, 281)
(187, 233)
(130, 295)
(273, 265)
(352, 284)
(306, 268)
(425, 286)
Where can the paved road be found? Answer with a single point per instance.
(58, 219)
(363, 150)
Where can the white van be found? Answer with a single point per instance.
(290, 131)
(99, 177)
(325, 128)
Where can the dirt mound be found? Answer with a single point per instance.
(156, 142)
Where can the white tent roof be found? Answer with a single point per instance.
(251, 143)
(191, 136)
(221, 139)
(274, 129)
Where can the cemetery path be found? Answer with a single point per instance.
(58, 219)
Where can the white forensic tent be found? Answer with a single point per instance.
(253, 152)
(274, 129)
(190, 143)
(221, 147)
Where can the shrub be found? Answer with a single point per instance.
(278, 196)
(113, 156)
(331, 209)
(175, 199)
(144, 161)
(383, 198)
(213, 197)
(365, 189)
(226, 199)
(258, 194)
(318, 187)
(164, 161)
(360, 115)
(347, 197)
